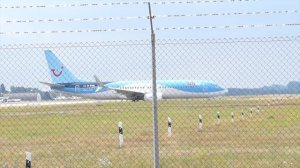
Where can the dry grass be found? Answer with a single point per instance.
(87, 135)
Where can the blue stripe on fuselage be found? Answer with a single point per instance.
(193, 86)
(80, 87)
(196, 86)
(184, 85)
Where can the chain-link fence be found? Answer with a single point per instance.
(222, 103)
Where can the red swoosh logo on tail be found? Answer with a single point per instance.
(57, 74)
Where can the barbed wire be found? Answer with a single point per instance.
(231, 13)
(144, 29)
(73, 19)
(120, 4)
(145, 17)
(159, 41)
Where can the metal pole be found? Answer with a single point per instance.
(155, 120)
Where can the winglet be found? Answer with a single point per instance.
(100, 84)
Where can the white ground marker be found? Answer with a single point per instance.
(200, 122)
(258, 109)
(218, 117)
(121, 140)
(28, 159)
(5, 165)
(242, 114)
(169, 127)
(15, 164)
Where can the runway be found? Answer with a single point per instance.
(53, 103)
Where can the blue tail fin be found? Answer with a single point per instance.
(58, 72)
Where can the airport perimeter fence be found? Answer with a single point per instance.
(255, 124)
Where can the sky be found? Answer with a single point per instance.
(235, 64)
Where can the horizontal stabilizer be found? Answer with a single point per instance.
(52, 84)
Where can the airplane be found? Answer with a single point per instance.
(4, 99)
(63, 80)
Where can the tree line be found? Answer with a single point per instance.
(18, 89)
(291, 88)
(21, 89)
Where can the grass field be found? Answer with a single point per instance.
(86, 135)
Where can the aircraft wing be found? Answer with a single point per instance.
(131, 95)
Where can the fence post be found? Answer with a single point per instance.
(154, 93)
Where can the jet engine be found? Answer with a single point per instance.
(149, 96)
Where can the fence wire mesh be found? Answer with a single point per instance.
(81, 120)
